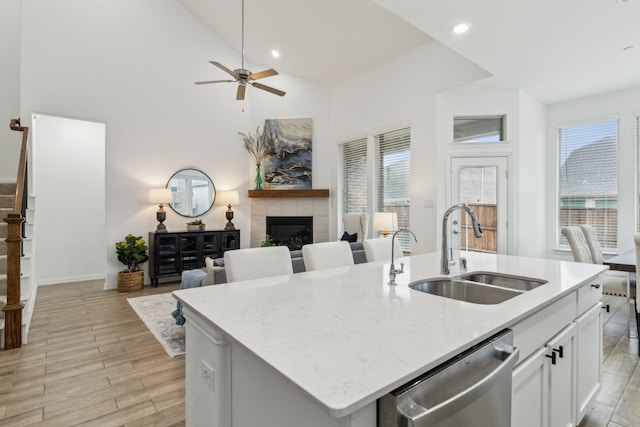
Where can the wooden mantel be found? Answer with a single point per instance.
(272, 194)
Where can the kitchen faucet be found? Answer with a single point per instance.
(446, 261)
(393, 270)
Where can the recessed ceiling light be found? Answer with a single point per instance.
(275, 53)
(627, 48)
(461, 28)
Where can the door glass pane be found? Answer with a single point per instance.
(478, 189)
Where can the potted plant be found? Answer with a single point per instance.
(132, 252)
(196, 225)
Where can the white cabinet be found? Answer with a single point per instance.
(543, 385)
(562, 374)
(589, 363)
(529, 390)
(558, 378)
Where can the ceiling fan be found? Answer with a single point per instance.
(244, 76)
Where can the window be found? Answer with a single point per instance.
(638, 174)
(354, 176)
(393, 176)
(391, 185)
(479, 129)
(588, 179)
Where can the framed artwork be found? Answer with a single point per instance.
(289, 167)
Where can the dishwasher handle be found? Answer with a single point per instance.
(411, 414)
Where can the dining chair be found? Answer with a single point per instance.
(327, 255)
(636, 241)
(578, 244)
(254, 263)
(585, 247)
(379, 249)
(593, 243)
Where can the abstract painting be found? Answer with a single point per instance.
(289, 167)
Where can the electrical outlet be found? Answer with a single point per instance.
(207, 374)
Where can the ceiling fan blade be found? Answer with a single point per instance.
(269, 89)
(225, 69)
(240, 92)
(262, 74)
(214, 81)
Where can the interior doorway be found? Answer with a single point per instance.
(67, 169)
(481, 183)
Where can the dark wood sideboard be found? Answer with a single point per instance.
(173, 252)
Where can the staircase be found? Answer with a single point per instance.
(7, 195)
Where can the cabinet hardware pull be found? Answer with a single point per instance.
(560, 351)
(597, 286)
(552, 356)
(606, 307)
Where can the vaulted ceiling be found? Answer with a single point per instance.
(554, 50)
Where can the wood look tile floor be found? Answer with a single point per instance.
(90, 360)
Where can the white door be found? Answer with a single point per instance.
(481, 183)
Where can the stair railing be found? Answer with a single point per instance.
(13, 309)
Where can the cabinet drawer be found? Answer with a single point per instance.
(534, 332)
(589, 295)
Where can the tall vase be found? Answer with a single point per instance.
(258, 177)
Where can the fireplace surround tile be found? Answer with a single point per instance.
(318, 207)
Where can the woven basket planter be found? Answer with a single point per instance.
(130, 281)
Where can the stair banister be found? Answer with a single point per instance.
(13, 309)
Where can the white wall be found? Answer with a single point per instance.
(624, 105)
(524, 148)
(131, 65)
(9, 88)
(399, 93)
(70, 208)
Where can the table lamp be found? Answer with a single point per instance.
(385, 222)
(228, 198)
(160, 196)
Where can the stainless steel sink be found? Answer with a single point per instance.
(478, 287)
(503, 280)
(464, 290)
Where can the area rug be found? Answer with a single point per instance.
(155, 312)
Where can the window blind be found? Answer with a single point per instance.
(637, 173)
(588, 179)
(354, 176)
(393, 177)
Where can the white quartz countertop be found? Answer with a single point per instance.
(346, 338)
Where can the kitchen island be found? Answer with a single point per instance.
(319, 348)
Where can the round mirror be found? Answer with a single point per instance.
(193, 192)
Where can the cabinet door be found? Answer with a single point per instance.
(189, 251)
(589, 358)
(562, 373)
(530, 390)
(166, 255)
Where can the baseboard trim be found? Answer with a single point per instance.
(70, 279)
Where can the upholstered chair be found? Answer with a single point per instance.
(356, 223)
(379, 249)
(578, 243)
(586, 248)
(254, 263)
(327, 255)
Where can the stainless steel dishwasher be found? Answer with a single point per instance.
(471, 389)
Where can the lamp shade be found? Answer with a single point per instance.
(160, 195)
(228, 198)
(385, 221)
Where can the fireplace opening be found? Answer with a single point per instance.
(290, 231)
